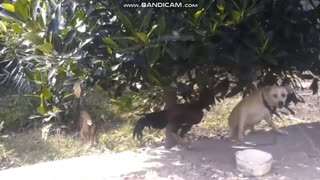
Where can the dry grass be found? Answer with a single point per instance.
(28, 148)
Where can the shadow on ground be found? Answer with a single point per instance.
(296, 155)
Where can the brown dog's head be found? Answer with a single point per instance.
(276, 95)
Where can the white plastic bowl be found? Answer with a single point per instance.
(252, 162)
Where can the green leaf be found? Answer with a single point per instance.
(8, 6)
(3, 27)
(125, 38)
(17, 29)
(112, 100)
(124, 42)
(171, 53)
(153, 55)
(152, 29)
(236, 16)
(32, 25)
(220, 5)
(109, 42)
(154, 77)
(46, 48)
(109, 50)
(161, 25)
(41, 110)
(146, 20)
(236, 5)
(213, 26)
(270, 60)
(56, 109)
(46, 93)
(264, 45)
(22, 9)
(125, 20)
(37, 76)
(33, 37)
(115, 102)
(10, 15)
(142, 36)
(198, 14)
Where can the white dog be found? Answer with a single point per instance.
(258, 106)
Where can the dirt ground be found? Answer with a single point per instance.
(296, 155)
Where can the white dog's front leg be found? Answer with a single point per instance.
(268, 119)
(253, 129)
(241, 129)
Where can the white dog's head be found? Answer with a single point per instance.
(276, 95)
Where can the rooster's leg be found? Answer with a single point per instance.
(184, 130)
(172, 137)
(170, 141)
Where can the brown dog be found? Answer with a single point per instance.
(88, 127)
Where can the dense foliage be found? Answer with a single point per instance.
(226, 44)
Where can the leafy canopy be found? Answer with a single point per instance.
(225, 44)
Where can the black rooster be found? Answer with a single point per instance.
(177, 119)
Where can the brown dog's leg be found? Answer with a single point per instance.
(83, 127)
(93, 130)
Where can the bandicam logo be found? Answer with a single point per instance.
(160, 5)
